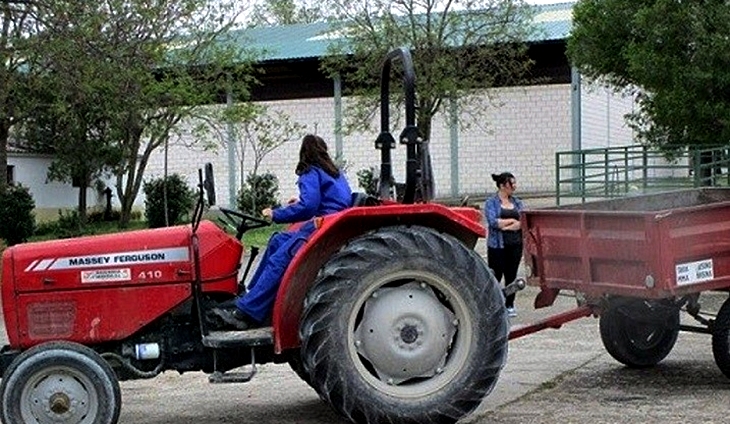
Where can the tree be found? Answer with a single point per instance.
(167, 201)
(674, 55)
(17, 25)
(69, 124)
(457, 47)
(147, 66)
(285, 12)
(262, 131)
(16, 214)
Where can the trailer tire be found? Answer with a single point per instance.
(639, 333)
(60, 382)
(404, 325)
(721, 338)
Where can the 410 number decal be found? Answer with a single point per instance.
(150, 275)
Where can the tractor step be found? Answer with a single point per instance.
(246, 372)
(233, 377)
(235, 339)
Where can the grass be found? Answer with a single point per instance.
(49, 231)
(260, 236)
(52, 231)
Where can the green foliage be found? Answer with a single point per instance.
(366, 180)
(69, 225)
(260, 236)
(45, 230)
(259, 192)
(673, 55)
(180, 200)
(145, 67)
(16, 77)
(457, 47)
(261, 130)
(285, 12)
(99, 215)
(16, 215)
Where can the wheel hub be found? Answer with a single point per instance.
(405, 333)
(409, 334)
(58, 398)
(60, 403)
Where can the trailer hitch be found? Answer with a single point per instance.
(514, 287)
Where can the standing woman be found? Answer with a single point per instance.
(504, 239)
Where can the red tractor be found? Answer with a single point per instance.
(387, 311)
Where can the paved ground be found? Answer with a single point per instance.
(552, 376)
(566, 376)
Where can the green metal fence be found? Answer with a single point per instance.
(635, 169)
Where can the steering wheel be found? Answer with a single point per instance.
(244, 222)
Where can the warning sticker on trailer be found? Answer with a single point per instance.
(694, 272)
(106, 275)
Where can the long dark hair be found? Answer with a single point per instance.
(314, 152)
(503, 178)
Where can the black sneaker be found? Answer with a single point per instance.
(233, 317)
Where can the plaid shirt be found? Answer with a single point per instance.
(492, 210)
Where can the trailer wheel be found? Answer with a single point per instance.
(60, 382)
(639, 333)
(404, 325)
(721, 339)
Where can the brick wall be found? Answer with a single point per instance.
(602, 114)
(519, 132)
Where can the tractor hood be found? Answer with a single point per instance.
(103, 288)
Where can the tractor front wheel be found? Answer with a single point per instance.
(60, 382)
(404, 325)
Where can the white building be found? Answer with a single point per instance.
(521, 134)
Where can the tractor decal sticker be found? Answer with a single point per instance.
(106, 275)
(173, 254)
(39, 265)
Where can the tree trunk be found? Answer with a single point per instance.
(4, 134)
(83, 186)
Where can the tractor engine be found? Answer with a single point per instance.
(103, 289)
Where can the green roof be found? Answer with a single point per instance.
(300, 41)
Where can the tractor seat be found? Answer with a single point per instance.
(364, 199)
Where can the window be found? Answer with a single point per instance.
(11, 174)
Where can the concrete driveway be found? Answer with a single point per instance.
(552, 376)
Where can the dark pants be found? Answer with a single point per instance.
(259, 299)
(505, 262)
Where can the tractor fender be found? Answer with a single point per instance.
(334, 231)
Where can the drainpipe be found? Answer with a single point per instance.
(454, 138)
(338, 118)
(576, 142)
(231, 145)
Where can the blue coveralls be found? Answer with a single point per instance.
(319, 194)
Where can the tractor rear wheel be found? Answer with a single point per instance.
(60, 382)
(404, 325)
(639, 333)
(295, 362)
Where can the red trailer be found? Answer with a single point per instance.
(635, 262)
